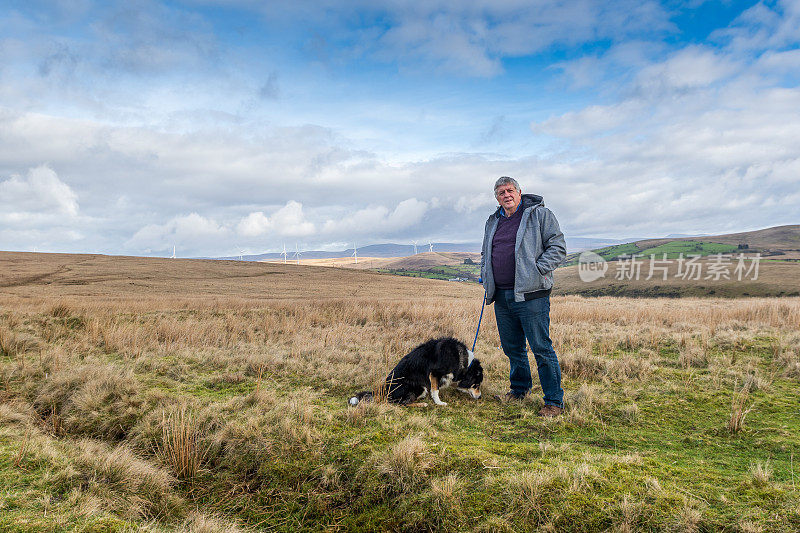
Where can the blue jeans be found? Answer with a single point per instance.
(517, 321)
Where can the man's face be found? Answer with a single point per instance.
(508, 196)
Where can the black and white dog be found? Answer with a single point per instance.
(434, 364)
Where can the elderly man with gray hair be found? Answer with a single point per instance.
(522, 245)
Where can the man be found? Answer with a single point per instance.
(522, 245)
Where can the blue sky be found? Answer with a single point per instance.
(130, 127)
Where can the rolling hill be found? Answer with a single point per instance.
(777, 238)
(779, 242)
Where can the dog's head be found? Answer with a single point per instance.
(471, 381)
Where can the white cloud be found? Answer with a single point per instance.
(203, 235)
(718, 159)
(288, 221)
(256, 223)
(39, 210)
(188, 231)
(613, 65)
(700, 140)
(468, 38)
(471, 38)
(702, 135)
(378, 220)
(590, 121)
(40, 193)
(763, 26)
(468, 204)
(689, 68)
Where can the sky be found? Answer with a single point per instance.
(214, 127)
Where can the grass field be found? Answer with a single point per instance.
(145, 394)
(670, 249)
(466, 272)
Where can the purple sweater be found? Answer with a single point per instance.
(505, 239)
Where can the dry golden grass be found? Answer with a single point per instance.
(198, 522)
(181, 444)
(404, 466)
(124, 482)
(420, 261)
(364, 263)
(761, 472)
(123, 376)
(150, 283)
(739, 408)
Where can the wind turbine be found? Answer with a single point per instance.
(173, 252)
(297, 253)
(430, 245)
(415, 247)
(355, 252)
(241, 255)
(284, 253)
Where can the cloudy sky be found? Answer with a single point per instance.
(216, 126)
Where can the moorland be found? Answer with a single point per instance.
(196, 395)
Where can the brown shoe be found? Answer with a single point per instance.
(510, 396)
(550, 411)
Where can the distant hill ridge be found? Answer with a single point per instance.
(777, 243)
(775, 238)
(768, 239)
(574, 244)
(372, 250)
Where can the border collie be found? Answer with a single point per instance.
(431, 365)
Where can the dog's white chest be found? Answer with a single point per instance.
(446, 380)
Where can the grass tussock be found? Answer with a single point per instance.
(629, 367)
(693, 356)
(761, 473)
(739, 408)
(405, 465)
(449, 492)
(628, 514)
(182, 447)
(126, 484)
(101, 401)
(366, 413)
(690, 520)
(13, 345)
(582, 366)
(60, 310)
(581, 404)
(630, 412)
(198, 522)
(787, 362)
(531, 492)
(89, 479)
(18, 412)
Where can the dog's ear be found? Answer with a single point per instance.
(473, 375)
(478, 370)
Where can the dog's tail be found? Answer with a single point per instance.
(365, 396)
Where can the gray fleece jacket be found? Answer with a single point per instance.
(540, 248)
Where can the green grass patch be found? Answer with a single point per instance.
(675, 248)
(644, 443)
